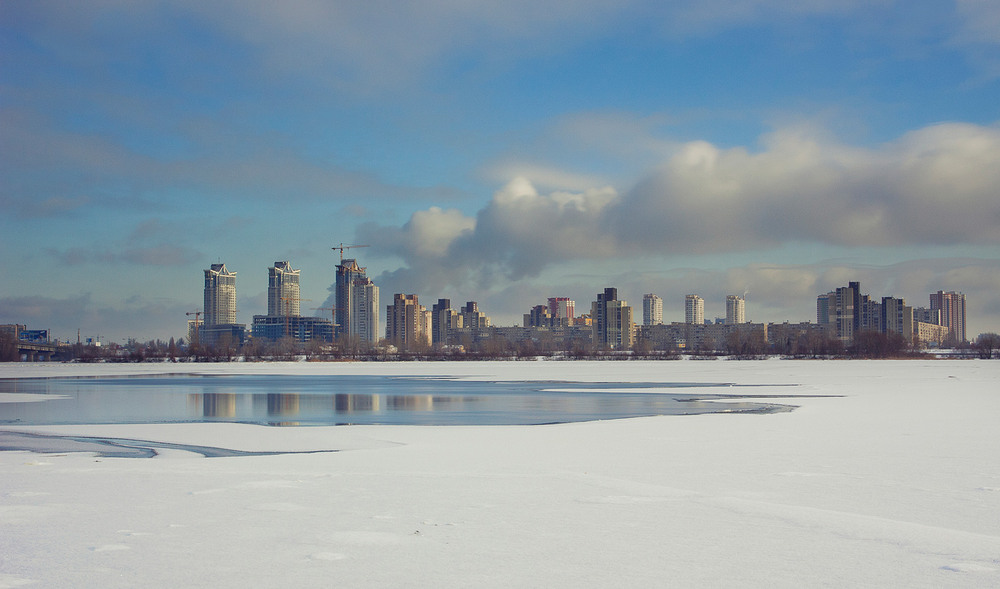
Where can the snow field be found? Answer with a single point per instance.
(895, 482)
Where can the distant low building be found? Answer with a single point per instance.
(301, 329)
(929, 335)
(223, 334)
(22, 333)
(721, 337)
(560, 337)
(789, 337)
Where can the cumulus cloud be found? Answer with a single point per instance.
(516, 235)
(931, 186)
(584, 149)
(429, 233)
(934, 186)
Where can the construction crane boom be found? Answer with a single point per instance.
(343, 247)
(288, 302)
(196, 314)
(332, 310)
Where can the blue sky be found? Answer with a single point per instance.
(502, 154)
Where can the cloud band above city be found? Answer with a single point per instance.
(498, 154)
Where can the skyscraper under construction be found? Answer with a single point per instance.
(358, 309)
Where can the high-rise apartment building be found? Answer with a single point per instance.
(219, 327)
(220, 296)
(842, 315)
(283, 319)
(896, 317)
(824, 303)
(612, 325)
(562, 310)
(282, 290)
(652, 309)
(404, 322)
(952, 306)
(363, 319)
(735, 310)
(694, 309)
(925, 315)
(871, 315)
(539, 316)
(473, 318)
(857, 303)
(348, 272)
(443, 320)
(843, 311)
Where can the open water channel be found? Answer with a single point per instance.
(340, 400)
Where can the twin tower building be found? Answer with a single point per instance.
(353, 318)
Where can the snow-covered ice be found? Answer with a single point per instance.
(893, 482)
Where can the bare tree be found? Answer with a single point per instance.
(988, 346)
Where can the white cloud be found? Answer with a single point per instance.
(932, 186)
(429, 233)
(585, 149)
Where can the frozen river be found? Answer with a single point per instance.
(884, 475)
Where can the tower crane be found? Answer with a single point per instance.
(343, 247)
(333, 318)
(288, 302)
(332, 310)
(196, 314)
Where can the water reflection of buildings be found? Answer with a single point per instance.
(345, 403)
(219, 404)
(411, 402)
(282, 403)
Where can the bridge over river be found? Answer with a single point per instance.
(36, 352)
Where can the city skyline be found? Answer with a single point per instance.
(503, 155)
(363, 314)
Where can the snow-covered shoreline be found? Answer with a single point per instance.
(894, 483)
